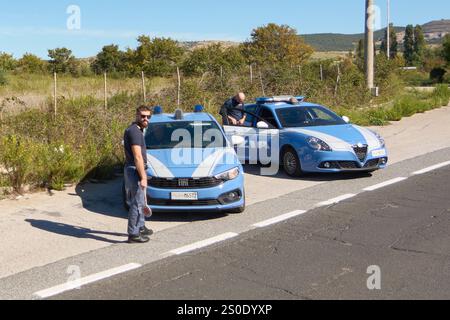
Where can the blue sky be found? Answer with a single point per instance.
(35, 26)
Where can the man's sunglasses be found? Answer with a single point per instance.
(145, 116)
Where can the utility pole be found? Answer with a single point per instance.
(370, 51)
(388, 40)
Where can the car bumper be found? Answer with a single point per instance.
(209, 199)
(343, 161)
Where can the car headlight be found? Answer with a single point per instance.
(228, 175)
(318, 144)
(380, 138)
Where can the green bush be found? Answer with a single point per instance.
(3, 79)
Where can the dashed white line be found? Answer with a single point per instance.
(432, 168)
(385, 184)
(278, 219)
(336, 200)
(204, 243)
(70, 285)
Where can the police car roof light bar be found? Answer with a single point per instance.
(275, 99)
(158, 110)
(198, 108)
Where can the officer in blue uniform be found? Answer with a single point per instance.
(135, 175)
(231, 111)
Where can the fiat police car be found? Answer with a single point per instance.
(310, 138)
(192, 166)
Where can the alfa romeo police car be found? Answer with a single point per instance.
(192, 166)
(309, 138)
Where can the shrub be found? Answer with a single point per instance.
(3, 79)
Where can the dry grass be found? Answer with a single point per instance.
(24, 91)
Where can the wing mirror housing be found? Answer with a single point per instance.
(262, 125)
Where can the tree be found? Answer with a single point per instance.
(392, 42)
(110, 59)
(7, 62)
(446, 48)
(30, 63)
(408, 44)
(213, 58)
(419, 45)
(360, 54)
(276, 45)
(62, 61)
(158, 56)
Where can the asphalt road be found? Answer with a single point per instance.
(400, 231)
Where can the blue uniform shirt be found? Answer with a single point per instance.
(134, 137)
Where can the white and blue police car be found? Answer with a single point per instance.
(310, 138)
(192, 166)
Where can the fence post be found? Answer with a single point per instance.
(179, 86)
(321, 73)
(251, 74)
(337, 80)
(262, 84)
(144, 93)
(105, 92)
(55, 98)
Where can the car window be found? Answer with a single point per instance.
(201, 134)
(268, 115)
(308, 117)
(250, 110)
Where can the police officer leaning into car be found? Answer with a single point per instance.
(135, 175)
(232, 111)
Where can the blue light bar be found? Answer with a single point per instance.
(158, 110)
(199, 108)
(275, 99)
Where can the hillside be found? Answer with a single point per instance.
(434, 32)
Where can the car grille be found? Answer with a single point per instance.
(348, 165)
(187, 183)
(182, 203)
(361, 152)
(372, 163)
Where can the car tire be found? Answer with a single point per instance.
(291, 163)
(124, 198)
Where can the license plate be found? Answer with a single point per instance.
(184, 196)
(378, 153)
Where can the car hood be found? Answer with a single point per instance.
(341, 137)
(187, 162)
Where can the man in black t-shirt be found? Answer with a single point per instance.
(231, 111)
(135, 175)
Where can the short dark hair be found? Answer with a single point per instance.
(143, 108)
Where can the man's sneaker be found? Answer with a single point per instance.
(146, 232)
(138, 239)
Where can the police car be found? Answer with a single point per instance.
(309, 138)
(192, 166)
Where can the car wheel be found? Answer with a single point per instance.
(124, 198)
(291, 163)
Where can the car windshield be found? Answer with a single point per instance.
(179, 134)
(308, 117)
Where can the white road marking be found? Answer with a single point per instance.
(283, 217)
(335, 200)
(385, 184)
(432, 168)
(84, 281)
(204, 243)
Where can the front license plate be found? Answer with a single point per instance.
(378, 153)
(184, 196)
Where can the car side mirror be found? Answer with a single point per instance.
(237, 140)
(346, 119)
(262, 125)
